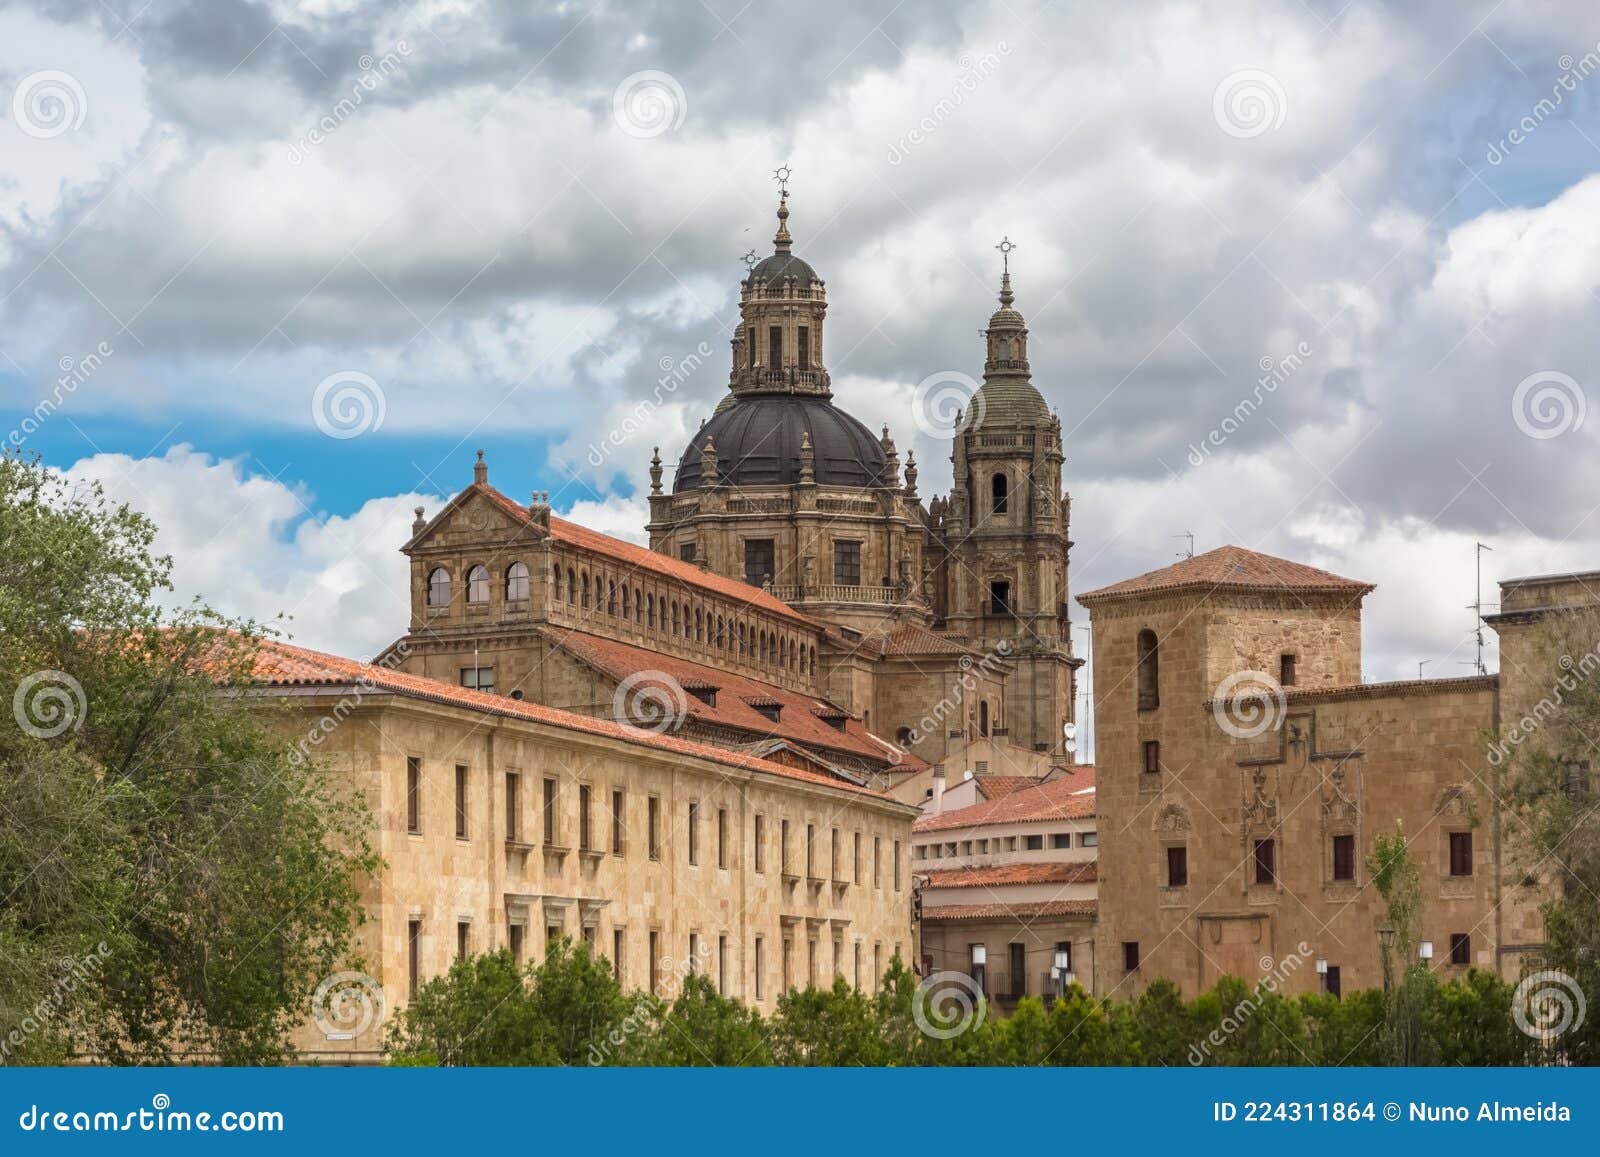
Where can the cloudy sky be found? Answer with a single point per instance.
(278, 268)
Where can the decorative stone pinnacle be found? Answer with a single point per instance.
(480, 469)
(419, 523)
(655, 471)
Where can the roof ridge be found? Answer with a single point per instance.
(1231, 566)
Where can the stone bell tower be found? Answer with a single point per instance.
(1003, 534)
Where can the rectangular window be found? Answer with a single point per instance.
(590, 934)
(856, 859)
(585, 799)
(1088, 839)
(1130, 955)
(1266, 852)
(617, 941)
(694, 833)
(760, 561)
(463, 936)
(760, 857)
(616, 823)
(774, 347)
(1460, 948)
(1461, 853)
(654, 834)
(1177, 867)
(513, 806)
(803, 348)
(461, 802)
(1033, 843)
(655, 965)
(1058, 840)
(1064, 953)
(788, 964)
(846, 563)
(811, 850)
(856, 980)
(414, 955)
(694, 953)
(978, 954)
(478, 679)
(783, 847)
(413, 795)
(877, 867)
(897, 865)
(1333, 982)
(686, 552)
(515, 933)
(757, 955)
(1018, 963)
(550, 812)
(877, 964)
(811, 962)
(1286, 670)
(722, 837)
(999, 598)
(1152, 757)
(722, 965)
(1344, 857)
(833, 854)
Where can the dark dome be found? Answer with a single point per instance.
(780, 265)
(758, 444)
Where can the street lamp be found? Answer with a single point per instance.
(1426, 950)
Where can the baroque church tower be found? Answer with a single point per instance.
(1000, 542)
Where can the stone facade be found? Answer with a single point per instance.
(757, 875)
(1244, 771)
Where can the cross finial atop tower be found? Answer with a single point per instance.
(1006, 246)
(749, 259)
(782, 241)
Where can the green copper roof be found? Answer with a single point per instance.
(1007, 401)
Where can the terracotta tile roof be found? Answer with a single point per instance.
(1070, 797)
(1031, 910)
(641, 558)
(1231, 567)
(995, 786)
(914, 640)
(800, 718)
(1083, 872)
(284, 665)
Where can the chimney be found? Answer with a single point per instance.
(938, 790)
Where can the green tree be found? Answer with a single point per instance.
(479, 1013)
(1407, 982)
(142, 811)
(700, 1028)
(1345, 1032)
(829, 1026)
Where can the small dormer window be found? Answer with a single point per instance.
(706, 695)
(769, 711)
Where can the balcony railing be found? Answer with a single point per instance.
(837, 593)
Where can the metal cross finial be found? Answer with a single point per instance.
(1006, 246)
(749, 259)
(781, 175)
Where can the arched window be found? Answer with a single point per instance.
(638, 605)
(585, 589)
(983, 717)
(572, 586)
(650, 611)
(555, 583)
(517, 582)
(742, 648)
(1000, 491)
(626, 612)
(439, 588)
(699, 626)
(611, 599)
(722, 633)
(677, 623)
(478, 584)
(1149, 671)
(812, 652)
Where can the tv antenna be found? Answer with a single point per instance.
(1477, 609)
(1188, 534)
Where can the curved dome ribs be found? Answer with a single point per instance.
(757, 443)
